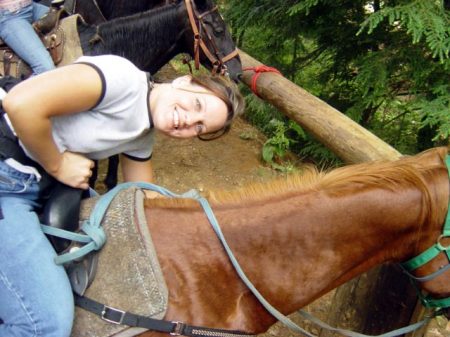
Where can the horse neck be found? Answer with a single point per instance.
(149, 40)
(294, 248)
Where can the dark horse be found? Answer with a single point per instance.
(298, 238)
(151, 39)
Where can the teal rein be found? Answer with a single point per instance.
(429, 255)
(95, 239)
(95, 236)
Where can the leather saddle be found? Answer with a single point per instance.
(62, 210)
(52, 36)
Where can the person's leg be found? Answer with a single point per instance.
(36, 296)
(16, 31)
(39, 10)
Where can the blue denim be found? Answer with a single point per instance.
(16, 31)
(35, 294)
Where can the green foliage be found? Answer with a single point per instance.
(384, 63)
(421, 19)
(435, 113)
(276, 147)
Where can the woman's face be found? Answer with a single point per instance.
(184, 110)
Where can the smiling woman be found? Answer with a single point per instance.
(64, 119)
(200, 106)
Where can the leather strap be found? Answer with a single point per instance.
(175, 328)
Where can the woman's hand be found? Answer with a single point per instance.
(74, 170)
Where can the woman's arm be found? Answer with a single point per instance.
(133, 170)
(31, 104)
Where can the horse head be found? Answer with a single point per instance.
(206, 36)
(210, 40)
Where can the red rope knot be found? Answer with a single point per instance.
(257, 72)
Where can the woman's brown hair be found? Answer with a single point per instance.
(228, 92)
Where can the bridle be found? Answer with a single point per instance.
(198, 27)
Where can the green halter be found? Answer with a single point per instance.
(427, 256)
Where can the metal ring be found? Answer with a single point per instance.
(439, 245)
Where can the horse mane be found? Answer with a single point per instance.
(407, 172)
(109, 7)
(117, 30)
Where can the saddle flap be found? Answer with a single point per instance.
(12, 65)
(128, 275)
(54, 42)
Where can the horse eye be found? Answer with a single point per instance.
(216, 25)
(218, 31)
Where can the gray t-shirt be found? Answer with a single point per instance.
(119, 123)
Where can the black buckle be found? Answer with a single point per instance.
(112, 311)
(178, 328)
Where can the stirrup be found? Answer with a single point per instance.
(57, 3)
(51, 20)
(82, 273)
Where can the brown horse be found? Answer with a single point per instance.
(299, 238)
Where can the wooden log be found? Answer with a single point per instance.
(346, 138)
(382, 299)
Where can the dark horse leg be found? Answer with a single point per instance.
(94, 175)
(111, 174)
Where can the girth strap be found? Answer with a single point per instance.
(116, 316)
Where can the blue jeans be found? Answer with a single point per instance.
(16, 31)
(35, 294)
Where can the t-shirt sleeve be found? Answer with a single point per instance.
(143, 149)
(120, 79)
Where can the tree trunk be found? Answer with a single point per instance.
(382, 299)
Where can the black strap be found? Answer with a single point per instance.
(116, 316)
(9, 144)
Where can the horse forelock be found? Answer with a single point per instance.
(407, 173)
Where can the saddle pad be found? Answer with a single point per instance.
(128, 276)
(72, 45)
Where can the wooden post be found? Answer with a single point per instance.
(382, 299)
(346, 138)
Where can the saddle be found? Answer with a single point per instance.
(61, 211)
(54, 33)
